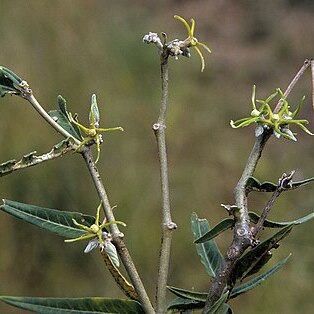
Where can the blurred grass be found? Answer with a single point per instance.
(76, 48)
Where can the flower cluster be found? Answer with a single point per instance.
(99, 236)
(176, 47)
(267, 119)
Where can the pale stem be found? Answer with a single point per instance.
(306, 64)
(312, 70)
(116, 234)
(36, 105)
(167, 225)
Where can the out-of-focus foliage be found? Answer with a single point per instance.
(76, 48)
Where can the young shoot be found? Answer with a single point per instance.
(93, 133)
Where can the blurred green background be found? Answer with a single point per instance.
(76, 48)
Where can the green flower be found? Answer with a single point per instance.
(93, 133)
(193, 41)
(279, 121)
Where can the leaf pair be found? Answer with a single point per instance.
(62, 223)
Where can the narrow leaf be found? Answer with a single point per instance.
(301, 183)
(74, 305)
(219, 228)
(274, 224)
(188, 294)
(61, 117)
(9, 82)
(56, 221)
(180, 304)
(258, 280)
(210, 255)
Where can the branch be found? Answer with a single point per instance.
(28, 95)
(243, 236)
(31, 159)
(116, 234)
(167, 224)
(305, 65)
(312, 70)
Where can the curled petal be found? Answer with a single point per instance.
(201, 56)
(204, 46)
(185, 24)
(304, 128)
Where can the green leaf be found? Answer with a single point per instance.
(219, 228)
(9, 82)
(301, 183)
(188, 294)
(56, 221)
(74, 305)
(179, 304)
(61, 117)
(197, 298)
(210, 255)
(249, 260)
(274, 224)
(258, 280)
(254, 184)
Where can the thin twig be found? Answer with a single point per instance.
(36, 105)
(284, 182)
(116, 234)
(167, 224)
(312, 70)
(305, 65)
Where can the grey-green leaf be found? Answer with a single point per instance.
(179, 304)
(275, 224)
(188, 294)
(61, 117)
(258, 280)
(219, 228)
(56, 221)
(74, 305)
(9, 82)
(208, 251)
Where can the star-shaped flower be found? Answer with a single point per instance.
(193, 41)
